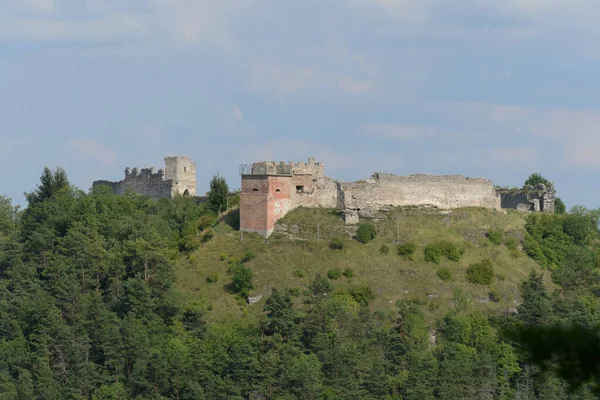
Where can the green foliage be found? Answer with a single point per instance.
(298, 273)
(495, 236)
(334, 273)
(242, 280)
(248, 256)
(223, 256)
(481, 273)
(384, 249)
(444, 274)
(434, 252)
(348, 273)
(50, 184)
(337, 243)
(320, 286)
(407, 250)
(218, 194)
(212, 277)
(536, 179)
(559, 206)
(362, 294)
(366, 232)
(511, 243)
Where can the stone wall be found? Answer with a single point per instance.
(533, 198)
(271, 189)
(444, 191)
(180, 178)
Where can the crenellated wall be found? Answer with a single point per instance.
(180, 178)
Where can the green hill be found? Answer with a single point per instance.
(291, 260)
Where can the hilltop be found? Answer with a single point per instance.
(301, 248)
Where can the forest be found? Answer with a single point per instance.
(89, 310)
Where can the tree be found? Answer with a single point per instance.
(218, 194)
(535, 179)
(559, 206)
(50, 183)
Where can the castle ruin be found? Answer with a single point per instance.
(269, 190)
(178, 178)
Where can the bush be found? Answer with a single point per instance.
(320, 285)
(362, 294)
(248, 256)
(242, 280)
(212, 278)
(337, 243)
(298, 273)
(384, 249)
(334, 273)
(434, 252)
(207, 236)
(444, 274)
(511, 243)
(366, 232)
(495, 236)
(494, 296)
(223, 256)
(481, 273)
(407, 250)
(348, 273)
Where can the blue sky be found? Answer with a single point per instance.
(487, 88)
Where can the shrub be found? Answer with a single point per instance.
(362, 294)
(248, 256)
(348, 273)
(494, 296)
(294, 292)
(407, 250)
(434, 252)
(320, 285)
(204, 222)
(511, 243)
(384, 249)
(366, 232)
(207, 236)
(501, 276)
(212, 278)
(223, 256)
(495, 236)
(298, 273)
(481, 273)
(334, 273)
(242, 280)
(337, 243)
(444, 274)
(233, 260)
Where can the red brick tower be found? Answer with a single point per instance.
(265, 196)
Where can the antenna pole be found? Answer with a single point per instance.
(269, 160)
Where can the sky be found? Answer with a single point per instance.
(484, 88)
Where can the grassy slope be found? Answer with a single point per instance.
(390, 276)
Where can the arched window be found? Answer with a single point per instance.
(186, 192)
(255, 190)
(278, 190)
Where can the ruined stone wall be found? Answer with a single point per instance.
(443, 191)
(538, 198)
(144, 182)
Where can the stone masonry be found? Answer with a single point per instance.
(270, 190)
(178, 178)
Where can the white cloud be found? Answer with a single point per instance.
(274, 79)
(94, 150)
(397, 131)
(237, 112)
(183, 21)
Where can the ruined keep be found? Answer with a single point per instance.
(271, 189)
(531, 198)
(178, 178)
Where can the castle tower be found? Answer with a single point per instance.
(182, 171)
(265, 196)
